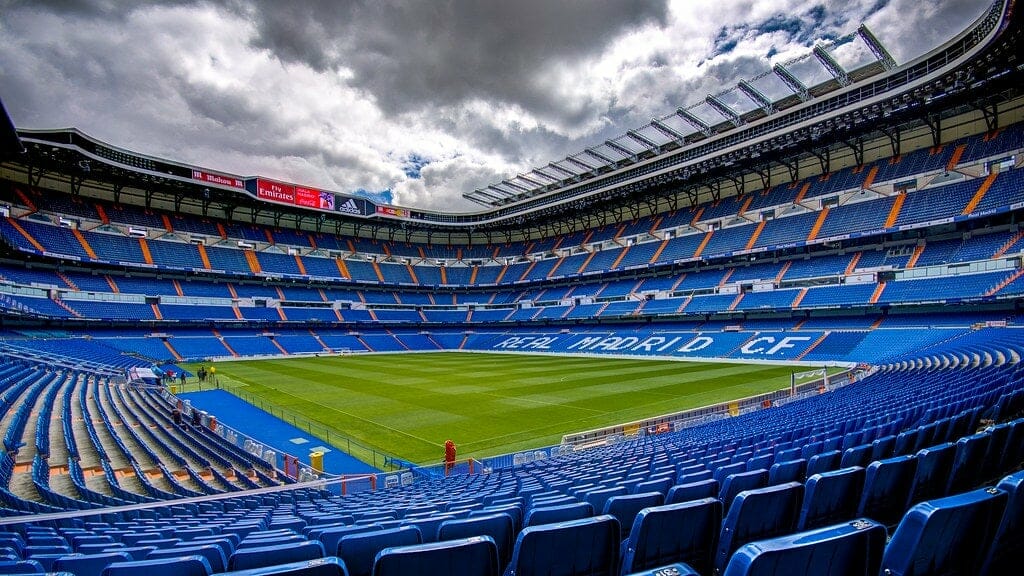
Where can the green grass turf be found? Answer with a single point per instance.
(407, 405)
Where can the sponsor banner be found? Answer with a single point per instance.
(326, 200)
(352, 206)
(392, 211)
(217, 179)
(308, 197)
(275, 191)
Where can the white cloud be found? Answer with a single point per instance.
(209, 85)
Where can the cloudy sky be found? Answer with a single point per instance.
(426, 99)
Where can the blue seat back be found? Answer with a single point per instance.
(597, 498)
(682, 532)
(561, 513)
(331, 537)
(831, 497)
(677, 569)
(585, 546)
(736, 483)
(657, 485)
(625, 508)
(883, 448)
(968, 463)
(20, 567)
(950, 535)
(692, 491)
(329, 566)
(475, 555)
(824, 462)
(359, 550)
(756, 515)
(850, 549)
(1005, 554)
(932, 474)
(992, 463)
(88, 564)
(262, 556)
(213, 554)
(856, 456)
(182, 565)
(497, 526)
(789, 471)
(514, 512)
(428, 525)
(886, 489)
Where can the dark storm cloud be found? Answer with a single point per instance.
(428, 99)
(419, 55)
(110, 9)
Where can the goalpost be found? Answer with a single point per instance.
(821, 373)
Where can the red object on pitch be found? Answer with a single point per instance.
(449, 456)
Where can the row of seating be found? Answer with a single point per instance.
(823, 344)
(974, 532)
(787, 200)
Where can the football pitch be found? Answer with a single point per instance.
(407, 405)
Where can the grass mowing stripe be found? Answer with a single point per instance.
(408, 404)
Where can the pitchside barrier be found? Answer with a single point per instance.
(294, 466)
(802, 385)
(377, 458)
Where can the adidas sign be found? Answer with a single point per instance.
(350, 207)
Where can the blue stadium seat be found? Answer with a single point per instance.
(661, 485)
(883, 448)
(476, 555)
(213, 554)
(887, 486)
(968, 463)
(331, 537)
(736, 483)
(757, 515)
(823, 462)
(678, 569)
(88, 564)
(850, 549)
(692, 491)
(1009, 539)
(262, 556)
(625, 508)
(683, 532)
(856, 456)
(597, 498)
(932, 474)
(329, 566)
(428, 525)
(585, 546)
(831, 497)
(562, 513)
(515, 512)
(181, 565)
(498, 526)
(950, 535)
(20, 567)
(789, 471)
(359, 550)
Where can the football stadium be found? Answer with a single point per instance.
(774, 331)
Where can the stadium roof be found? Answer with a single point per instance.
(827, 68)
(10, 144)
